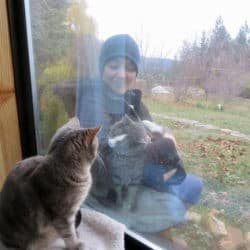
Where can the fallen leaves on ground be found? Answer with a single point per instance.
(221, 155)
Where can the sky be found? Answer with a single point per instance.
(161, 26)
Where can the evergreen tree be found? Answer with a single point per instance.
(242, 37)
(203, 41)
(220, 38)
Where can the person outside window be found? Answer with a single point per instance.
(105, 101)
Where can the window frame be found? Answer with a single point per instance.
(22, 79)
(25, 99)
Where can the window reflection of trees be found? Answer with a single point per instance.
(65, 49)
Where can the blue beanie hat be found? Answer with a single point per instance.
(119, 46)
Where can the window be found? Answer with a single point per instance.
(187, 106)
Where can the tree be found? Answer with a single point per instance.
(243, 35)
(220, 38)
(184, 72)
(86, 45)
(153, 69)
(78, 20)
(51, 39)
(216, 63)
(62, 35)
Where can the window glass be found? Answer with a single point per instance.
(170, 85)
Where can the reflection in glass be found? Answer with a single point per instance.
(174, 145)
(137, 154)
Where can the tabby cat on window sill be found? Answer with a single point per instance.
(42, 195)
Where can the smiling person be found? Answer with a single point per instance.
(119, 73)
(106, 100)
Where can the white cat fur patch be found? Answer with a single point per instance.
(112, 141)
(155, 128)
(152, 127)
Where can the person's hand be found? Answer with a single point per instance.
(169, 174)
(133, 100)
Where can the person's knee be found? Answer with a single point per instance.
(176, 210)
(196, 190)
(189, 190)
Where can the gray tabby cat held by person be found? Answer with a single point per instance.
(128, 141)
(41, 196)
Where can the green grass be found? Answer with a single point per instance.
(223, 161)
(224, 164)
(235, 116)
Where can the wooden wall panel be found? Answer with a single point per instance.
(2, 174)
(10, 149)
(6, 73)
(9, 134)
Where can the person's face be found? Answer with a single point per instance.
(119, 74)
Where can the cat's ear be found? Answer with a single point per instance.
(73, 123)
(127, 120)
(90, 134)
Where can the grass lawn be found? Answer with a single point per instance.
(223, 161)
(235, 116)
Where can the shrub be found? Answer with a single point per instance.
(52, 116)
(245, 92)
